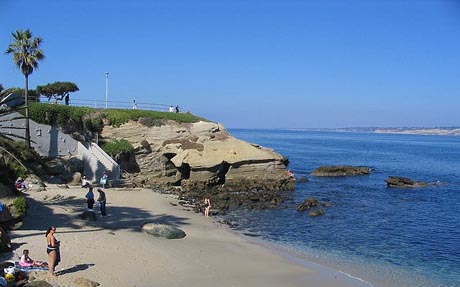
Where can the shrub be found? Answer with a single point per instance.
(150, 122)
(117, 146)
(20, 205)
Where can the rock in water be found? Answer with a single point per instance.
(341, 170)
(163, 230)
(307, 204)
(403, 182)
(315, 213)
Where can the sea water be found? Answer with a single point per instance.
(386, 236)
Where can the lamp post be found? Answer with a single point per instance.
(106, 88)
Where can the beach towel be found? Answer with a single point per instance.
(30, 268)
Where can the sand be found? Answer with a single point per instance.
(114, 252)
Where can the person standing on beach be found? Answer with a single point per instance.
(104, 179)
(54, 255)
(207, 205)
(90, 198)
(102, 201)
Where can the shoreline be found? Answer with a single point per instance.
(114, 252)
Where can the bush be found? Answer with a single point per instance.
(60, 115)
(117, 146)
(150, 122)
(20, 205)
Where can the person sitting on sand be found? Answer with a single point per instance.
(26, 261)
(19, 184)
(85, 182)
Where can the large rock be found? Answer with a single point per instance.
(84, 282)
(38, 283)
(34, 183)
(404, 182)
(201, 156)
(163, 230)
(341, 170)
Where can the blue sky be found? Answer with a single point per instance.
(254, 64)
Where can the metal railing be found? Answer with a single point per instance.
(101, 104)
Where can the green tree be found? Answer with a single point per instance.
(57, 90)
(26, 54)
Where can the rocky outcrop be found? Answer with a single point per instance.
(200, 156)
(341, 170)
(404, 182)
(313, 206)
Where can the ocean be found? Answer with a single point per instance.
(385, 236)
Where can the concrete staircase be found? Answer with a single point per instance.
(50, 142)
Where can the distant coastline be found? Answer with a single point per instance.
(441, 131)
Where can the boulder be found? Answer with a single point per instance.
(83, 282)
(316, 212)
(34, 183)
(308, 203)
(38, 283)
(163, 230)
(55, 166)
(404, 182)
(76, 179)
(341, 170)
(312, 205)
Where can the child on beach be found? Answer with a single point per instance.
(26, 261)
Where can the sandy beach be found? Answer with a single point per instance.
(114, 252)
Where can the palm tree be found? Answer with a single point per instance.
(26, 54)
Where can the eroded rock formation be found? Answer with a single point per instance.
(200, 156)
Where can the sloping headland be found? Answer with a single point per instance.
(443, 131)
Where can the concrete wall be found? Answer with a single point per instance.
(45, 140)
(50, 142)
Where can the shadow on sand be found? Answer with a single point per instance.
(76, 268)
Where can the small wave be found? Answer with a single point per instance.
(356, 278)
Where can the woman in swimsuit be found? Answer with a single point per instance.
(207, 205)
(52, 249)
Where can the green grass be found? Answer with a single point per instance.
(62, 115)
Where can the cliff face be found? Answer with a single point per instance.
(200, 156)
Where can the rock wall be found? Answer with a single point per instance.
(200, 156)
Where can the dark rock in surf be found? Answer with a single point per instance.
(341, 170)
(308, 203)
(404, 182)
(316, 212)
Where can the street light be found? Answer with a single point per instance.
(106, 88)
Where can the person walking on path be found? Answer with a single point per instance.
(102, 201)
(54, 255)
